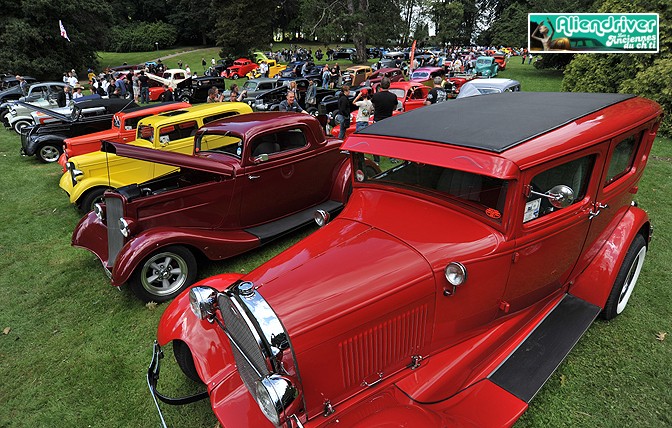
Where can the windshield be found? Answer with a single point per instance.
(419, 75)
(488, 90)
(483, 61)
(146, 132)
(116, 122)
(479, 193)
(225, 143)
(398, 92)
(250, 86)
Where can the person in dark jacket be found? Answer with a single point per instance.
(343, 116)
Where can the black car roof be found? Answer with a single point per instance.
(493, 122)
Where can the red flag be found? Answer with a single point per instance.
(410, 67)
(64, 33)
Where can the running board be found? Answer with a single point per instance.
(528, 368)
(269, 231)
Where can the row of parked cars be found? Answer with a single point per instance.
(456, 272)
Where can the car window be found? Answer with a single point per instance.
(278, 142)
(482, 194)
(622, 158)
(178, 76)
(221, 143)
(146, 132)
(178, 131)
(219, 116)
(574, 174)
(132, 122)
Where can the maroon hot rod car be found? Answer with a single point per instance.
(451, 285)
(253, 179)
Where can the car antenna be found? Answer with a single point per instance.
(127, 104)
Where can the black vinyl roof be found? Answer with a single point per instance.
(493, 122)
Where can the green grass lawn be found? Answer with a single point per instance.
(75, 351)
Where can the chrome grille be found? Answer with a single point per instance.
(115, 240)
(247, 349)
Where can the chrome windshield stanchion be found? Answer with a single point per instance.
(153, 378)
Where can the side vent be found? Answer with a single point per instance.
(384, 348)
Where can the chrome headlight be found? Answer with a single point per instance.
(125, 226)
(321, 217)
(275, 394)
(203, 301)
(75, 174)
(456, 273)
(99, 211)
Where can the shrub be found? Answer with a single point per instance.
(142, 36)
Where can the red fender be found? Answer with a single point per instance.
(342, 187)
(215, 245)
(207, 341)
(595, 282)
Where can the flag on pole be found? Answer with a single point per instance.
(64, 33)
(412, 58)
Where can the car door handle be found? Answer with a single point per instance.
(253, 177)
(599, 207)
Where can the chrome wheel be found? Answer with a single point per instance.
(163, 274)
(48, 154)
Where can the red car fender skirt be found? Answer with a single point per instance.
(91, 235)
(207, 342)
(342, 186)
(215, 245)
(594, 283)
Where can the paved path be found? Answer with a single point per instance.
(178, 54)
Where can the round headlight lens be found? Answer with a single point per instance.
(124, 227)
(456, 273)
(99, 211)
(202, 301)
(267, 402)
(321, 217)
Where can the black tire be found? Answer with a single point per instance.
(49, 152)
(235, 76)
(90, 197)
(626, 279)
(185, 360)
(312, 111)
(185, 99)
(20, 124)
(164, 274)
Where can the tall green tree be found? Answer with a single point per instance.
(243, 25)
(362, 21)
(194, 20)
(31, 41)
(448, 17)
(647, 75)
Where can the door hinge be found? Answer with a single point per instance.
(415, 362)
(328, 409)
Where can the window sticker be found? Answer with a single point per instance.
(532, 210)
(128, 128)
(164, 139)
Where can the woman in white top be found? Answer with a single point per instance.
(365, 109)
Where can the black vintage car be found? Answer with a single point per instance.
(270, 100)
(294, 69)
(329, 104)
(11, 81)
(345, 53)
(195, 89)
(46, 141)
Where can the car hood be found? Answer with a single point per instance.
(375, 247)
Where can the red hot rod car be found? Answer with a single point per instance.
(454, 281)
(253, 179)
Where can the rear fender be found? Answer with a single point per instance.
(342, 187)
(595, 282)
(215, 246)
(207, 341)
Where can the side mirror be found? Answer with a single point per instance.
(261, 158)
(560, 196)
